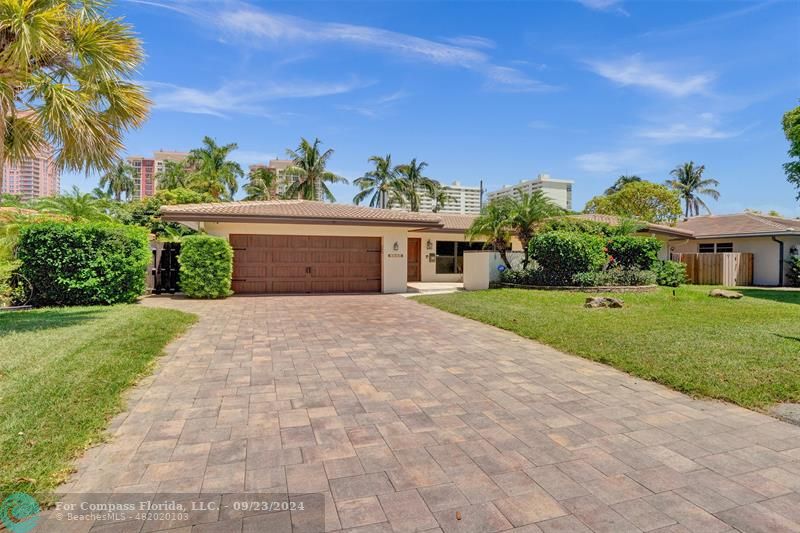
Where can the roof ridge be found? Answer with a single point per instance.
(763, 220)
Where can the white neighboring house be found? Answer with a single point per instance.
(560, 191)
(463, 200)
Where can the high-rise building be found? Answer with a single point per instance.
(560, 191)
(148, 168)
(462, 199)
(33, 177)
(278, 166)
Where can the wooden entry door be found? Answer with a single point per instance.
(264, 264)
(414, 259)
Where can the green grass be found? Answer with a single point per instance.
(745, 351)
(62, 372)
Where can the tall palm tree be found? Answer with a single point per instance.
(175, 175)
(621, 182)
(381, 184)
(440, 197)
(493, 226)
(308, 166)
(413, 182)
(526, 211)
(121, 179)
(262, 184)
(690, 184)
(76, 206)
(215, 174)
(65, 69)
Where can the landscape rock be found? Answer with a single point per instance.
(722, 293)
(603, 301)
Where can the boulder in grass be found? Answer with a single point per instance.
(722, 293)
(603, 301)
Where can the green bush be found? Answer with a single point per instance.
(576, 225)
(562, 254)
(670, 273)
(206, 267)
(794, 271)
(634, 252)
(626, 277)
(83, 263)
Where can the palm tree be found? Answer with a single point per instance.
(526, 211)
(493, 225)
(621, 182)
(308, 166)
(412, 182)
(76, 206)
(382, 183)
(440, 197)
(120, 180)
(214, 173)
(262, 184)
(175, 175)
(690, 184)
(65, 81)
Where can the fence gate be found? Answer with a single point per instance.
(728, 269)
(166, 273)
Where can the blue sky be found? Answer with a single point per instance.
(499, 91)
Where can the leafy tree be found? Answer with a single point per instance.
(381, 183)
(121, 179)
(493, 226)
(412, 181)
(76, 206)
(65, 71)
(642, 200)
(689, 183)
(214, 173)
(10, 200)
(791, 128)
(175, 175)
(261, 185)
(621, 182)
(309, 167)
(439, 196)
(147, 212)
(526, 212)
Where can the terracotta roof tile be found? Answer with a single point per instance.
(739, 224)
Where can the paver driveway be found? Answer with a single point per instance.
(408, 418)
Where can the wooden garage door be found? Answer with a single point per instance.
(299, 263)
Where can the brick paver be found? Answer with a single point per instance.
(402, 418)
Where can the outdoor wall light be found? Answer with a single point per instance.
(429, 245)
(396, 246)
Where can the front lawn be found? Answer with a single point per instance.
(746, 351)
(62, 372)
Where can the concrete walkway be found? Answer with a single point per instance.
(401, 417)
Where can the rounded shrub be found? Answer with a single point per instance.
(629, 251)
(206, 266)
(615, 277)
(83, 263)
(670, 273)
(562, 254)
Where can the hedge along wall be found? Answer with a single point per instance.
(562, 254)
(206, 267)
(630, 251)
(83, 263)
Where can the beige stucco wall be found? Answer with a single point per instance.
(394, 262)
(766, 265)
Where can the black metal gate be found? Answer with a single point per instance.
(166, 274)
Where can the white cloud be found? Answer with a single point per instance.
(633, 71)
(376, 107)
(629, 160)
(702, 127)
(470, 41)
(604, 5)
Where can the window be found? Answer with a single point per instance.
(450, 255)
(724, 247)
(706, 248)
(719, 247)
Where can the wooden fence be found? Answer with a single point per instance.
(728, 269)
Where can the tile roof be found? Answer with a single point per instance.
(455, 223)
(739, 224)
(298, 211)
(613, 220)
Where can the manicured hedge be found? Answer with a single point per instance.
(670, 273)
(83, 263)
(576, 225)
(562, 254)
(614, 277)
(206, 267)
(629, 251)
(794, 271)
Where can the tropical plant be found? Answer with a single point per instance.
(791, 128)
(689, 183)
(11, 200)
(621, 182)
(65, 71)
(206, 266)
(413, 182)
(121, 179)
(440, 197)
(492, 226)
(76, 206)
(670, 273)
(214, 173)
(308, 166)
(174, 176)
(526, 212)
(380, 184)
(262, 184)
(641, 200)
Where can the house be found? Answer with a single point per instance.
(284, 246)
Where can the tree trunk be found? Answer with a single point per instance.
(2, 146)
(504, 257)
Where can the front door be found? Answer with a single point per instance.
(414, 259)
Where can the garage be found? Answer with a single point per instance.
(275, 264)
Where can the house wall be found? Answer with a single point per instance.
(394, 262)
(766, 264)
(428, 271)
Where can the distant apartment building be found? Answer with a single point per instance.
(148, 168)
(278, 166)
(560, 191)
(33, 177)
(462, 200)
